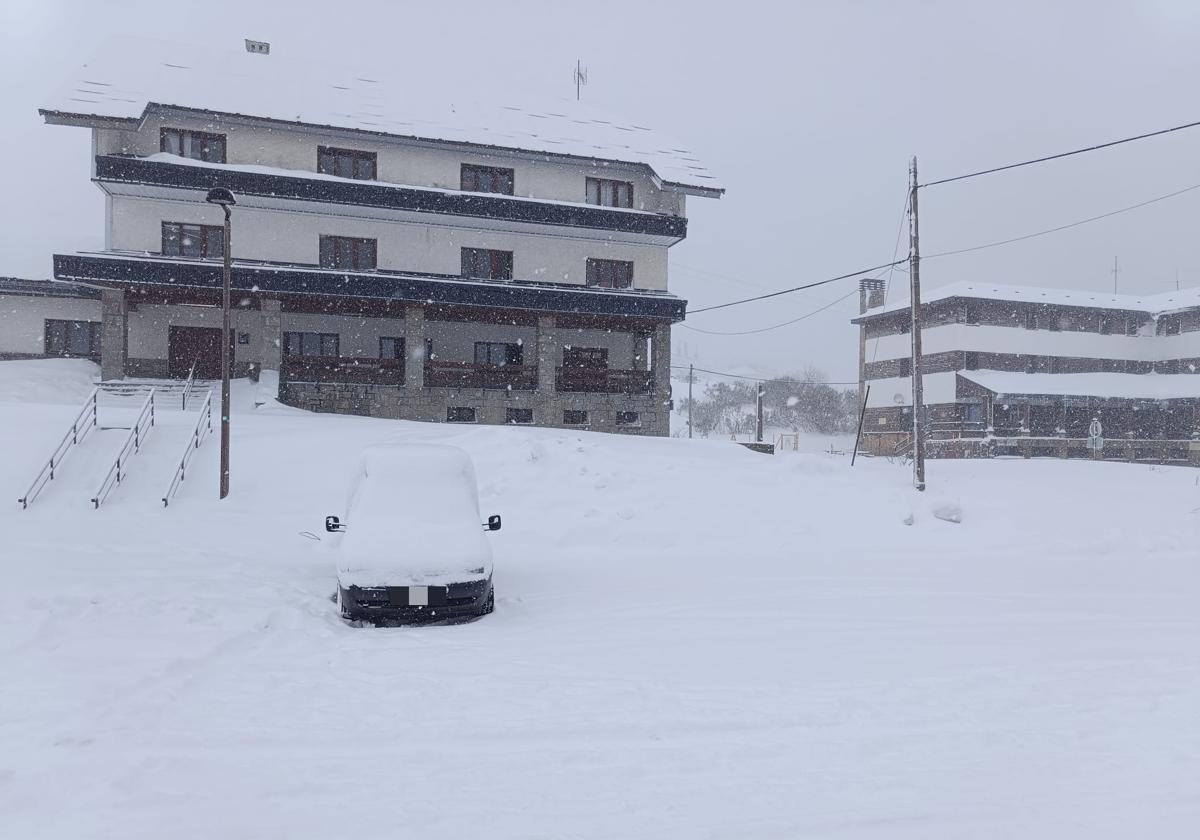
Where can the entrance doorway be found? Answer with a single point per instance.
(201, 345)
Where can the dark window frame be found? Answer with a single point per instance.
(397, 345)
(511, 413)
(61, 335)
(511, 352)
(499, 264)
(595, 187)
(296, 343)
(205, 149)
(487, 179)
(606, 274)
(624, 418)
(332, 248)
(575, 417)
(971, 360)
(336, 155)
(206, 235)
(459, 414)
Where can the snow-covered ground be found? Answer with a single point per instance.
(690, 640)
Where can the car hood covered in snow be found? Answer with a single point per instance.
(413, 519)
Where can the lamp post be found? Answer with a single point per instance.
(224, 198)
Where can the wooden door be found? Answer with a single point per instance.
(201, 345)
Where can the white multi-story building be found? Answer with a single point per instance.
(391, 258)
(1017, 369)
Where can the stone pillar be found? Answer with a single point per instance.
(660, 357)
(414, 352)
(114, 333)
(545, 399)
(271, 356)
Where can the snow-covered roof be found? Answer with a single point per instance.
(1132, 386)
(129, 75)
(1165, 302)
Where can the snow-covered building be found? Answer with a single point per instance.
(391, 256)
(1024, 370)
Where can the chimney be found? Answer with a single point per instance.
(258, 47)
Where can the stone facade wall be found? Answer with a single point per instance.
(431, 405)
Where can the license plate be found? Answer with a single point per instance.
(417, 596)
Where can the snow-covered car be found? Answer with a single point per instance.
(412, 547)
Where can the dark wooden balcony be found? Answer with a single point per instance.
(441, 374)
(342, 369)
(604, 380)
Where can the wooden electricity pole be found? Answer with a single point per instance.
(914, 262)
(758, 429)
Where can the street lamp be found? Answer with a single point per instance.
(224, 198)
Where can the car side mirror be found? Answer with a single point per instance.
(493, 523)
(333, 524)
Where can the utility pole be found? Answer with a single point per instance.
(758, 429)
(580, 78)
(691, 377)
(1114, 273)
(914, 267)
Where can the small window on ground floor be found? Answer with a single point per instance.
(572, 417)
(971, 361)
(310, 344)
(460, 415)
(518, 416)
(391, 348)
(72, 338)
(628, 418)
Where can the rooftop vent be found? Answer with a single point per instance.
(259, 47)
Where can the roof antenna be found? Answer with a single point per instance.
(580, 78)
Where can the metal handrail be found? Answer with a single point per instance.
(46, 474)
(136, 434)
(187, 383)
(193, 444)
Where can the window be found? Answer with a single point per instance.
(460, 415)
(1131, 327)
(391, 348)
(1170, 325)
(575, 418)
(972, 413)
(488, 179)
(628, 418)
(1112, 325)
(483, 264)
(610, 274)
(197, 145)
(592, 358)
(518, 416)
(72, 338)
(497, 353)
(243, 338)
(1031, 321)
(348, 253)
(971, 361)
(1054, 323)
(182, 240)
(346, 163)
(972, 313)
(310, 344)
(1031, 364)
(608, 193)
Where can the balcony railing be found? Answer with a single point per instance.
(471, 375)
(604, 380)
(342, 369)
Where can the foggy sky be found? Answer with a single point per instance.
(808, 113)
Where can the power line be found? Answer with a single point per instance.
(758, 379)
(797, 288)
(1096, 147)
(1066, 226)
(775, 326)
